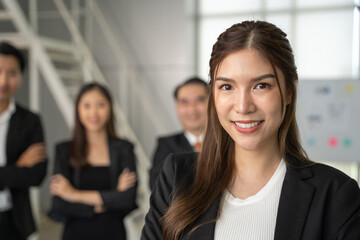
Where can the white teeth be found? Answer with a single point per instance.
(247, 125)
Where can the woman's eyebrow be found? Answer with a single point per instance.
(224, 79)
(269, 75)
(256, 79)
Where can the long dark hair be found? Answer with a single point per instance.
(79, 144)
(216, 162)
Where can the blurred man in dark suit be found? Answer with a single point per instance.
(22, 151)
(191, 102)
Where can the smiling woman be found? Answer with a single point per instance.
(248, 102)
(94, 182)
(252, 179)
(94, 110)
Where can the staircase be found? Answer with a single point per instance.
(66, 63)
(65, 66)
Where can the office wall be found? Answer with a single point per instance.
(155, 36)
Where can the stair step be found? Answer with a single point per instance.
(58, 45)
(72, 90)
(4, 15)
(70, 74)
(16, 38)
(62, 57)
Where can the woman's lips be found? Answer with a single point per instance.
(247, 126)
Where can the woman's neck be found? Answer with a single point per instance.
(253, 169)
(256, 161)
(98, 154)
(96, 137)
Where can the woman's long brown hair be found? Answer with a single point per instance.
(79, 145)
(216, 162)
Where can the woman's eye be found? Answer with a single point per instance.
(101, 104)
(262, 86)
(225, 87)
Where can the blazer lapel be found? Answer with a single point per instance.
(113, 162)
(207, 231)
(295, 200)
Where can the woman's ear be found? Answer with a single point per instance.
(289, 94)
(288, 98)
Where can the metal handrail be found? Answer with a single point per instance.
(44, 63)
(90, 63)
(92, 66)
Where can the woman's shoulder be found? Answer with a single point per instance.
(326, 179)
(316, 172)
(325, 174)
(119, 142)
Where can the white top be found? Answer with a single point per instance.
(192, 139)
(252, 218)
(5, 197)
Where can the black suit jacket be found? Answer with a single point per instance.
(121, 157)
(176, 143)
(24, 130)
(316, 202)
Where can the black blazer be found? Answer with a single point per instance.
(176, 143)
(24, 130)
(121, 156)
(316, 202)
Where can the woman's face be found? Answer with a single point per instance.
(94, 111)
(248, 101)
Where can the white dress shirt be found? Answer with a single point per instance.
(252, 218)
(5, 196)
(192, 139)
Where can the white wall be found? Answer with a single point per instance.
(155, 36)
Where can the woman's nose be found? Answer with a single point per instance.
(244, 103)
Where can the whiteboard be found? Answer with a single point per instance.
(328, 115)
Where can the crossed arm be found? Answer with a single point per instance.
(29, 169)
(60, 186)
(69, 201)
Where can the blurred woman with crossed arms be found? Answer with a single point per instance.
(94, 182)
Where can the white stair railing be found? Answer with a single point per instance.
(93, 67)
(44, 64)
(136, 220)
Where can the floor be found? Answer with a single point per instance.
(48, 230)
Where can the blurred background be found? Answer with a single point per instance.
(142, 49)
